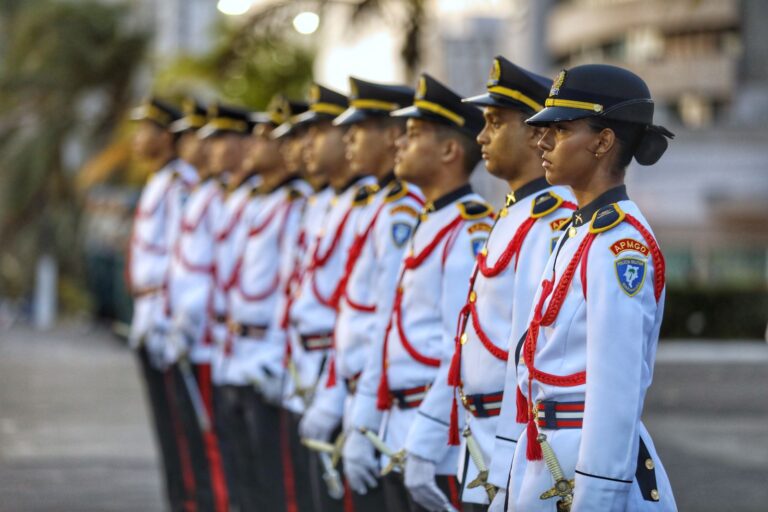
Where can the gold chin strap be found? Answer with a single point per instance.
(327, 108)
(516, 95)
(439, 110)
(583, 105)
(373, 104)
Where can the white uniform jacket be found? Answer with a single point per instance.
(383, 229)
(230, 235)
(587, 361)
(155, 227)
(190, 284)
(313, 313)
(431, 290)
(505, 277)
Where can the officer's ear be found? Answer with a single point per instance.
(452, 150)
(604, 141)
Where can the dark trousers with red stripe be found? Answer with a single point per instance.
(323, 502)
(263, 419)
(165, 436)
(473, 507)
(372, 501)
(207, 465)
(399, 500)
(297, 459)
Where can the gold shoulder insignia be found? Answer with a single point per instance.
(364, 195)
(472, 210)
(544, 204)
(294, 194)
(399, 190)
(606, 218)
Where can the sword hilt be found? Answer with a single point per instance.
(477, 457)
(563, 487)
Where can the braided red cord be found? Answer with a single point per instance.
(320, 261)
(658, 258)
(412, 262)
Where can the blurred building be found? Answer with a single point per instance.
(706, 62)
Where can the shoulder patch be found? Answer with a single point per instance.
(544, 204)
(477, 245)
(556, 224)
(399, 189)
(364, 195)
(629, 244)
(479, 227)
(404, 208)
(631, 274)
(401, 232)
(606, 218)
(471, 210)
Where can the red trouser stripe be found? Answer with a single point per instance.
(182, 445)
(289, 481)
(211, 443)
(453, 489)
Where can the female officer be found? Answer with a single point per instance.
(587, 359)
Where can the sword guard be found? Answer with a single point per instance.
(562, 488)
(481, 479)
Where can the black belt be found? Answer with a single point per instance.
(254, 332)
(409, 398)
(483, 405)
(312, 342)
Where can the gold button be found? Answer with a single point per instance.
(503, 212)
(572, 232)
(472, 296)
(649, 464)
(484, 251)
(655, 495)
(463, 338)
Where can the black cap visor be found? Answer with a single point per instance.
(355, 115)
(558, 114)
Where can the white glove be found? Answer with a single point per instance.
(420, 480)
(361, 466)
(497, 505)
(318, 424)
(270, 386)
(155, 342)
(176, 346)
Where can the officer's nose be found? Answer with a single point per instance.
(546, 142)
(401, 142)
(482, 137)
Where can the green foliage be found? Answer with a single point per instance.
(249, 63)
(65, 73)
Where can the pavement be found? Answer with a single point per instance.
(74, 434)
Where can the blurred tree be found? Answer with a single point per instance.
(251, 61)
(65, 72)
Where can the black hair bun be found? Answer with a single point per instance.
(653, 144)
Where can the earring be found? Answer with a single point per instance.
(597, 155)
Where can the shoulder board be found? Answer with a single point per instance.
(294, 194)
(606, 218)
(544, 204)
(256, 191)
(399, 189)
(364, 195)
(471, 210)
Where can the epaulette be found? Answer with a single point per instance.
(471, 210)
(294, 194)
(364, 195)
(606, 218)
(256, 191)
(399, 189)
(544, 204)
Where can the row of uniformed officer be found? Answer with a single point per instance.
(357, 298)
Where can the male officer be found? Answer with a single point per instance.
(501, 287)
(389, 214)
(438, 155)
(295, 260)
(154, 230)
(191, 297)
(232, 391)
